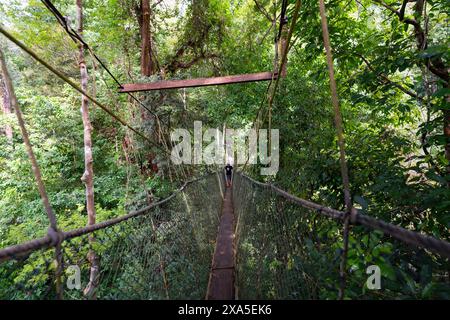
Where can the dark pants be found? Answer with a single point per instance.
(228, 179)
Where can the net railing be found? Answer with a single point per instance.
(163, 251)
(290, 248)
(286, 248)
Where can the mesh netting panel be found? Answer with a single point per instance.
(285, 251)
(164, 254)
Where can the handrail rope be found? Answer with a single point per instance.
(269, 96)
(305, 203)
(282, 18)
(47, 241)
(277, 37)
(298, 4)
(273, 88)
(438, 246)
(53, 232)
(283, 21)
(341, 143)
(77, 88)
(26, 139)
(76, 37)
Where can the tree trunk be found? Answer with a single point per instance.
(447, 136)
(88, 175)
(147, 67)
(436, 65)
(6, 108)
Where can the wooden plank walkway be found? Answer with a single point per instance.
(221, 279)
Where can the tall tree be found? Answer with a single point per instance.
(88, 175)
(434, 63)
(144, 14)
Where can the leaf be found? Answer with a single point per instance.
(432, 51)
(362, 202)
(427, 291)
(442, 92)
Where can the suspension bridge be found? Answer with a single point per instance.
(207, 241)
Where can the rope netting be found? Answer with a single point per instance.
(161, 253)
(289, 250)
(286, 248)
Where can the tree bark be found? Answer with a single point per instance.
(6, 108)
(147, 67)
(88, 175)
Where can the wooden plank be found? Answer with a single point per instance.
(221, 278)
(199, 82)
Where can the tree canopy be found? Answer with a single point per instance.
(391, 62)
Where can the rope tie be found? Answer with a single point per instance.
(55, 236)
(353, 215)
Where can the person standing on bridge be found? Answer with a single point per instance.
(229, 172)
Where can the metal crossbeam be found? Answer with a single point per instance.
(199, 82)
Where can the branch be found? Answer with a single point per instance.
(156, 3)
(263, 11)
(436, 65)
(176, 64)
(423, 137)
(387, 6)
(360, 3)
(265, 34)
(401, 14)
(386, 79)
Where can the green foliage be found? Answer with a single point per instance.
(393, 128)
